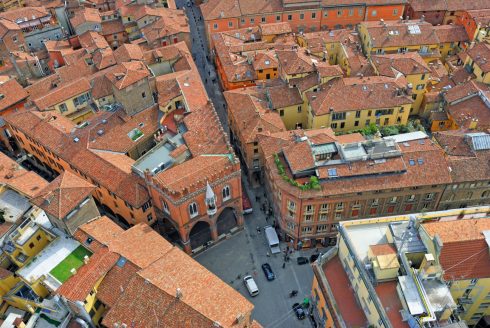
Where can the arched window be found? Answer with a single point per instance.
(193, 209)
(485, 194)
(165, 206)
(226, 193)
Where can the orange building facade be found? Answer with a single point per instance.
(314, 17)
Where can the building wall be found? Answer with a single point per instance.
(473, 295)
(358, 285)
(262, 74)
(132, 98)
(435, 17)
(102, 195)
(480, 75)
(116, 39)
(94, 307)
(313, 219)
(309, 20)
(294, 115)
(462, 195)
(34, 40)
(177, 210)
(321, 304)
(356, 120)
(31, 247)
(87, 26)
(84, 213)
(71, 109)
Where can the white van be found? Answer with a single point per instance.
(251, 285)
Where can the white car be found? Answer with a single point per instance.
(251, 285)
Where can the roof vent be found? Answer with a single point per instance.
(179, 294)
(100, 132)
(76, 139)
(104, 121)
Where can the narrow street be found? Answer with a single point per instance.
(245, 252)
(200, 52)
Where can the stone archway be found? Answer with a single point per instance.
(226, 221)
(200, 234)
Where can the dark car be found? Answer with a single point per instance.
(268, 271)
(302, 260)
(314, 257)
(298, 310)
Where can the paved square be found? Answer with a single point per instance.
(243, 254)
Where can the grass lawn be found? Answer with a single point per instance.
(75, 260)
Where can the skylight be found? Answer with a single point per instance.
(414, 29)
(332, 172)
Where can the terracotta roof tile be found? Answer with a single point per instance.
(299, 157)
(128, 52)
(350, 94)
(115, 282)
(102, 229)
(11, 93)
(127, 74)
(63, 194)
(451, 33)
(86, 15)
(408, 64)
(141, 304)
(383, 37)
(62, 93)
(275, 28)
(19, 179)
(295, 61)
(480, 54)
(141, 245)
(428, 5)
(249, 110)
(23, 12)
(112, 27)
(78, 286)
(464, 253)
(284, 96)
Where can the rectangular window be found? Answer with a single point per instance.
(351, 12)
(263, 19)
(63, 108)
(358, 113)
(374, 13)
(252, 20)
(313, 15)
(299, 109)
(278, 18)
(230, 24)
(301, 16)
(395, 12)
(420, 86)
(323, 217)
(215, 26)
(356, 123)
(339, 12)
(281, 112)
(333, 125)
(290, 17)
(307, 230)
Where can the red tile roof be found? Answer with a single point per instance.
(63, 194)
(464, 253)
(102, 229)
(115, 283)
(383, 37)
(11, 93)
(480, 54)
(19, 179)
(127, 74)
(62, 93)
(141, 245)
(351, 94)
(78, 286)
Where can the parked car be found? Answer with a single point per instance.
(251, 285)
(246, 203)
(268, 271)
(298, 310)
(302, 260)
(314, 257)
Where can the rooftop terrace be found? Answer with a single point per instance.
(55, 262)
